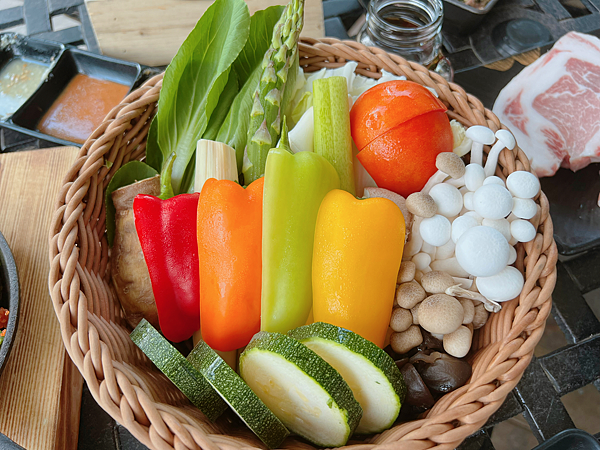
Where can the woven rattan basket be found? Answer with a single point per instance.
(127, 385)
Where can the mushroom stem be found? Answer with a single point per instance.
(436, 178)
(492, 159)
(457, 291)
(477, 153)
(456, 182)
(480, 135)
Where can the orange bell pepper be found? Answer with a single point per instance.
(229, 252)
(356, 257)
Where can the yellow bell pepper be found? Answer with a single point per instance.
(357, 253)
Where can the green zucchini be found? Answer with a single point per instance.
(178, 369)
(370, 372)
(242, 400)
(305, 392)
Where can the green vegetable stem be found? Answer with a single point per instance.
(279, 65)
(332, 138)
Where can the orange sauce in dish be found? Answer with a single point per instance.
(81, 107)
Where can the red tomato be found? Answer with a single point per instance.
(403, 159)
(387, 105)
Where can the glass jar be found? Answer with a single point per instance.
(409, 28)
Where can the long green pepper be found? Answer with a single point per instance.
(279, 69)
(295, 185)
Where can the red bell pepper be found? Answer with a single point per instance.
(166, 228)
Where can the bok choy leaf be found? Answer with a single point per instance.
(193, 84)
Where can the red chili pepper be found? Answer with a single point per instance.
(167, 232)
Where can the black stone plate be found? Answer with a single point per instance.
(571, 439)
(573, 198)
(9, 297)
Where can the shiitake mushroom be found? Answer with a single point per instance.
(417, 393)
(442, 373)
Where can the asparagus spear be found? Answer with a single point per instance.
(265, 118)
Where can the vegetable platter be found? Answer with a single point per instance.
(232, 64)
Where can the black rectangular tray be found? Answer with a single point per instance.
(70, 61)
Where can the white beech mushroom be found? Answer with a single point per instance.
(468, 200)
(503, 286)
(523, 184)
(431, 250)
(505, 140)
(401, 319)
(445, 251)
(522, 230)
(512, 257)
(464, 283)
(458, 183)
(409, 294)
(422, 261)
(502, 225)
(458, 342)
(415, 241)
(448, 200)
(457, 291)
(469, 309)
(435, 230)
(475, 215)
(449, 265)
(462, 224)
(405, 341)
(524, 208)
(406, 272)
(492, 201)
(480, 316)
(474, 177)
(436, 282)
(448, 164)
(494, 180)
(421, 205)
(482, 251)
(480, 136)
(440, 314)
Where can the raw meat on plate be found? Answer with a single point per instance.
(553, 106)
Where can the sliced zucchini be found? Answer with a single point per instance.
(178, 369)
(242, 400)
(370, 372)
(305, 392)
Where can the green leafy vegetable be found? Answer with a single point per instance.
(220, 112)
(235, 127)
(128, 174)
(193, 84)
(261, 30)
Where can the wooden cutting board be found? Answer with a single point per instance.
(151, 31)
(40, 388)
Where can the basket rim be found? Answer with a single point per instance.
(92, 325)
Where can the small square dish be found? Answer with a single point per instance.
(81, 89)
(24, 65)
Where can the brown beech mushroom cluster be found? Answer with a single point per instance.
(437, 303)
